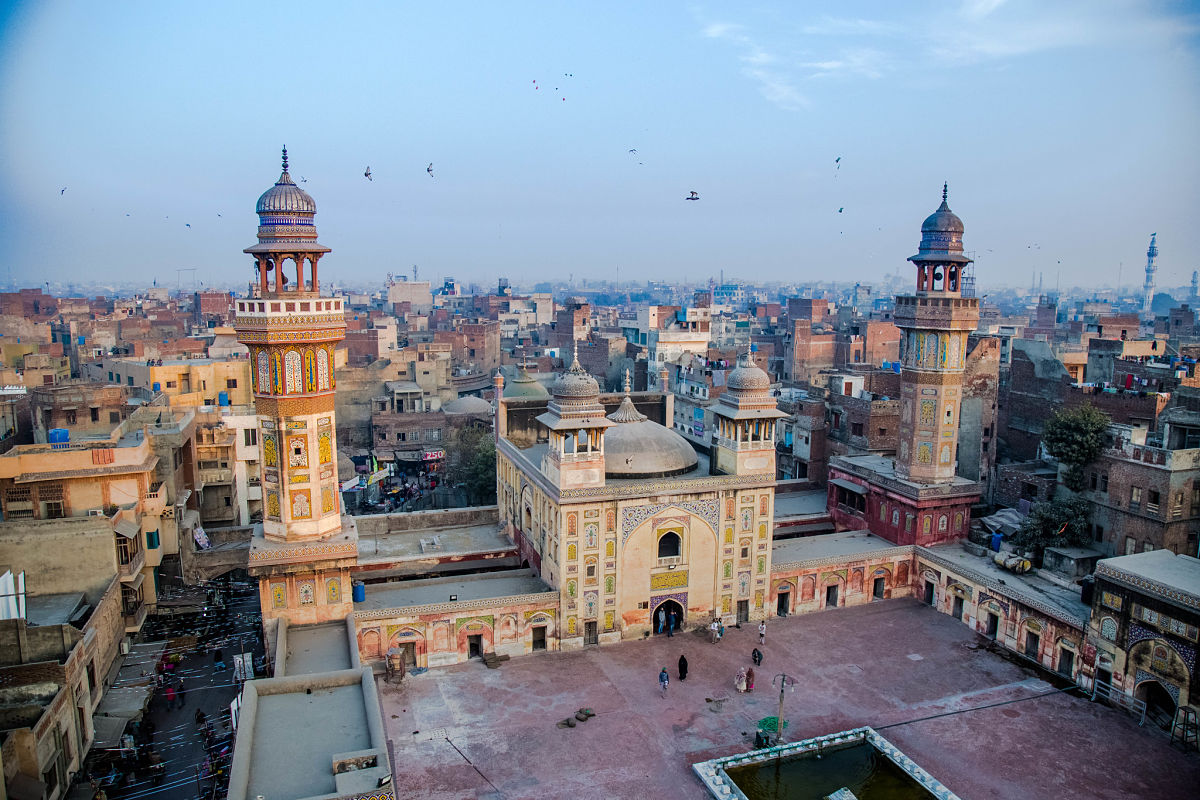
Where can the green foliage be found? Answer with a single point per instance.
(471, 464)
(1055, 524)
(1076, 438)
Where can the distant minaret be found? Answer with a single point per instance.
(1148, 288)
(1195, 295)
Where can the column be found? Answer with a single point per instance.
(312, 262)
(299, 273)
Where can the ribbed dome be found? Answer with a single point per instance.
(639, 448)
(747, 377)
(575, 383)
(525, 385)
(941, 237)
(468, 405)
(285, 197)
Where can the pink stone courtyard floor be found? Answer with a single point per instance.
(877, 665)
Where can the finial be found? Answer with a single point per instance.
(628, 385)
(945, 190)
(285, 158)
(575, 356)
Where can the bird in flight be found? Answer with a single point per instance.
(367, 174)
(840, 210)
(692, 196)
(62, 191)
(187, 224)
(303, 179)
(634, 152)
(429, 169)
(838, 161)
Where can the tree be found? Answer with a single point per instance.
(1076, 437)
(1055, 524)
(471, 463)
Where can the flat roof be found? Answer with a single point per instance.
(794, 504)
(886, 468)
(54, 609)
(827, 545)
(317, 648)
(454, 540)
(1160, 572)
(1063, 601)
(438, 590)
(296, 734)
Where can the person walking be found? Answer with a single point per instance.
(739, 681)
(750, 679)
(179, 691)
(720, 630)
(762, 632)
(756, 657)
(662, 618)
(671, 620)
(170, 697)
(682, 668)
(663, 680)
(712, 631)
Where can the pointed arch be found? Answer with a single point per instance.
(322, 369)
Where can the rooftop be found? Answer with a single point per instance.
(55, 609)
(795, 504)
(401, 594)
(317, 648)
(883, 470)
(827, 545)
(420, 545)
(1161, 572)
(1059, 601)
(917, 676)
(291, 757)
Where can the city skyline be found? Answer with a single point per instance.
(1064, 133)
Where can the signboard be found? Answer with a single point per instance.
(433, 455)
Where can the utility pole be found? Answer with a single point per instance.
(785, 682)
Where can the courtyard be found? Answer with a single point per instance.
(901, 667)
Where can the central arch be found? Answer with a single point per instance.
(667, 606)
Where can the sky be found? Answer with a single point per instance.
(1067, 132)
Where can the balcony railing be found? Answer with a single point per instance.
(155, 501)
(134, 620)
(211, 476)
(129, 572)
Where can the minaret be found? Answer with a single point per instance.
(934, 324)
(1148, 287)
(576, 424)
(744, 422)
(302, 557)
(1195, 287)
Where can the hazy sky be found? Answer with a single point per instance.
(1069, 125)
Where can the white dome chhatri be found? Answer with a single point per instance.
(637, 447)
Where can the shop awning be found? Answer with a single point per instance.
(108, 731)
(849, 486)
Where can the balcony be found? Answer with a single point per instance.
(209, 477)
(154, 502)
(134, 619)
(129, 573)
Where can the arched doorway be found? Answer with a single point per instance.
(667, 606)
(1160, 705)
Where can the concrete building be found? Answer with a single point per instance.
(186, 381)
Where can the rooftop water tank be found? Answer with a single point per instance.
(59, 438)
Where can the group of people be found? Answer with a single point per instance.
(743, 682)
(667, 621)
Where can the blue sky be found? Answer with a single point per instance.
(1067, 131)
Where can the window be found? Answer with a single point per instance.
(250, 436)
(1135, 498)
(231, 383)
(1147, 546)
(1152, 498)
(171, 384)
(114, 417)
(435, 435)
(129, 380)
(591, 570)
(70, 417)
(856, 429)
(1094, 481)
(1108, 629)
(1130, 545)
(1099, 533)
(95, 414)
(669, 545)
(1104, 482)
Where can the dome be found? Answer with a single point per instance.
(747, 377)
(525, 385)
(285, 196)
(468, 405)
(636, 447)
(575, 383)
(941, 236)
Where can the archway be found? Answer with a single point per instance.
(1160, 705)
(666, 607)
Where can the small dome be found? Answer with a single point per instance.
(941, 237)
(575, 383)
(285, 197)
(636, 447)
(525, 385)
(747, 377)
(468, 405)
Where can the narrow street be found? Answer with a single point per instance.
(178, 754)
